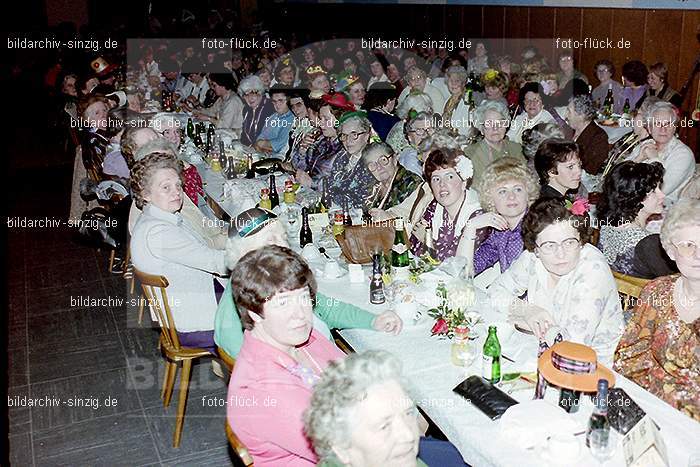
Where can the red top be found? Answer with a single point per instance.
(193, 183)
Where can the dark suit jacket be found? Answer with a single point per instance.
(594, 148)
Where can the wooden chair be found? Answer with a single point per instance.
(238, 446)
(228, 360)
(170, 346)
(629, 288)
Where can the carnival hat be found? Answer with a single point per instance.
(344, 80)
(315, 70)
(338, 100)
(102, 67)
(573, 366)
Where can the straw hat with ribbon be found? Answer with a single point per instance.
(573, 366)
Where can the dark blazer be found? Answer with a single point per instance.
(594, 148)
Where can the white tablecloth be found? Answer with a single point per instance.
(615, 132)
(431, 377)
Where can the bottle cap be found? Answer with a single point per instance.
(338, 218)
(264, 191)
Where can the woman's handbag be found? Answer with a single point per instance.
(359, 242)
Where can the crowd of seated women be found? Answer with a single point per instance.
(499, 176)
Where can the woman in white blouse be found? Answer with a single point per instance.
(531, 101)
(569, 286)
(665, 147)
(163, 243)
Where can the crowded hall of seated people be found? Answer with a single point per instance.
(503, 166)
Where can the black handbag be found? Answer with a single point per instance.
(623, 412)
(485, 396)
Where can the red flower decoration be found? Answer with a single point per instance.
(580, 207)
(440, 327)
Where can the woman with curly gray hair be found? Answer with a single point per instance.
(164, 244)
(361, 416)
(256, 109)
(533, 137)
(592, 139)
(492, 119)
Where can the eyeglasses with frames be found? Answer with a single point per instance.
(687, 248)
(381, 162)
(419, 131)
(254, 92)
(352, 136)
(568, 245)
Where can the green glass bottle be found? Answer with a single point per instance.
(626, 108)
(599, 417)
(190, 128)
(491, 364)
(399, 252)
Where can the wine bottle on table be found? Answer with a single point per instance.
(347, 220)
(376, 286)
(399, 252)
(326, 202)
(599, 417)
(274, 196)
(265, 199)
(190, 128)
(250, 173)
(210, 138)
(430, 243)
(305, 236)
(491, 363)
(626, 107)
(609, 102)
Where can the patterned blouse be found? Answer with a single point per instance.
(618, 246)
(320, 157)
(402, 186)
(501, 246)
(661, 352)
(193, 183)
(350, 185)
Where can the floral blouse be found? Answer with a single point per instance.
(661, 352)
(584, 303)
(350, 185)
(402, 186)
(193, 183)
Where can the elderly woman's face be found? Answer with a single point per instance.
(603, 73)
(417, 81)
(455, 84)
(357, 94)
(385, 429)
(495, 126)
(447, 186)
(654, 81)
(327, 122)
(419, 131)
(353, 137)
(165, 190)
(493, 92)
(638, 126)
(172, 134)
(510, 198)
(288, 318)
(253, 98)
(686, 251)
(96, 113)
(662, 127)
(575, 119)
(381, 165)
(321, 83)
(559, 248)
(533, 104)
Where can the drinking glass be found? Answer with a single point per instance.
(603, 444)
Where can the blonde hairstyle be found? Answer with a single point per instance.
(502, 170)
(685, 213)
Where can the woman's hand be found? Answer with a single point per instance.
(537, 318)
(306, 142)
(420, 230)
(388, 322)
(487, 219)
(379, 215)
(303, 178)
(647, 152)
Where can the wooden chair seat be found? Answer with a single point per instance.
(169, 344)
(629, 288)
(238, 446)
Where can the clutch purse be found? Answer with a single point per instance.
(485, 396)
(360, 242)
(623, 412)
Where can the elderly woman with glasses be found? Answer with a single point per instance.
(492, 119)
(418, 81)
(665, 147)
(531, 101)
(570, 288)
(605, 70)
(350, 182)
(395, 183)
(417, 129)
(660, 349)
(256, 110)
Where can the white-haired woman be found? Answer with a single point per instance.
(412, 105)
(395, 183)
(417, 129)
(592, 139)
(256, 110)
(257, 228)
(360, 415)
(455, 114)
(418, 81)
(660, 349)
(350, 181)
(665, 147)
(492, 119)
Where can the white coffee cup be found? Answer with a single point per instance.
(407, 308)
(331, 270)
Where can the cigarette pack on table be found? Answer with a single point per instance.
(643, 445)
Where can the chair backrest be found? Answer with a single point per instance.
(152, 284)
(629, 288)
(238, 446)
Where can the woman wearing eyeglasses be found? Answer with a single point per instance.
(492, 120)
(660, 349)
(395, 182)
(256, 109)
(530, 100)
(569, 286)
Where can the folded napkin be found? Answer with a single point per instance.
(530, 423)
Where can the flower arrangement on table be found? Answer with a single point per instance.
(450, 312)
